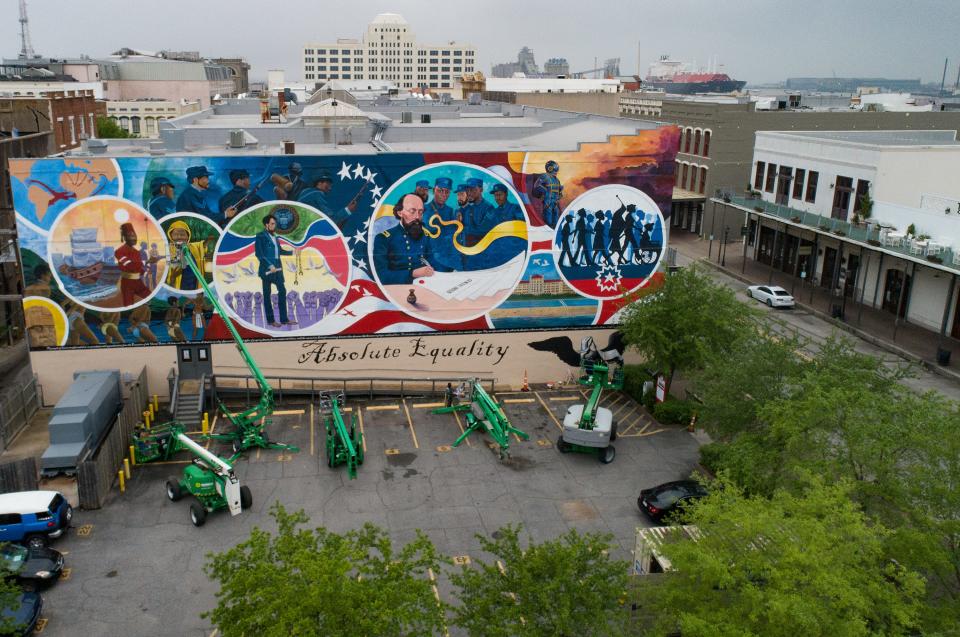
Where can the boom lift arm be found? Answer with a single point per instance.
(344, 445)
(483, 413)
(250, 423)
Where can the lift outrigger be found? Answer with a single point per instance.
(250, 424)
(211, 480)
(344, 444)
(483, 413)
(589, 428)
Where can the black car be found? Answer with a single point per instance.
(24, 613)
(662, 500)
(35, 567)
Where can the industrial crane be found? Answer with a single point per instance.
(483, 413)
(589, 428)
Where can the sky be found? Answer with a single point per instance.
(756, 40)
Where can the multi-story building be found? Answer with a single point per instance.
(556, 66)
(71, 116)
(388, 51)
(142, 117)
(239, 70)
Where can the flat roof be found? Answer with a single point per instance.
(892, 138)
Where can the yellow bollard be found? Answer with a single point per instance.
(153, 411)
(206, 423)
(133, 456)
(123, 485)
(147, 418)
(126, 467)
(156, 403)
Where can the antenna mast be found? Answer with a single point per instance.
(26, 47)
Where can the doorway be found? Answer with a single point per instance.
(896, 290)
(194, 361)
(842, 193)
(828, 268)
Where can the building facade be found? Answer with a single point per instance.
(388, 50)
(142, 117)
(71, 117)
(239, 71)
(556, 66)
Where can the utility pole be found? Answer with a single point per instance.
(26, 47)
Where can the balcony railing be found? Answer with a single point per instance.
(871, 232)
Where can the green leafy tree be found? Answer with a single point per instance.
(9, 593)
(313, 582)
(564, 587)
(690, 319)
(799, 564)
(109, 129)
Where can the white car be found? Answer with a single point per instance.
(772, 295)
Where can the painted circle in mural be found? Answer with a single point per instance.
(609, 241)
(461, 260)
(107, 253)
(307, 270)
(201, 236)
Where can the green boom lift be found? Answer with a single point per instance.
(590, 428)
(249, 424)
(483, 413)
(211, 480)
(344, 444)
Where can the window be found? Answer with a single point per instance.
(771, 177)
(185, 355)
(758, 178)
(686, 147)
(798, 180)
(703, 180)
(812, 186)
(696, 142)
(135, 124)
(7, 519)
(863, 189)
(706, 143)
(683, 179)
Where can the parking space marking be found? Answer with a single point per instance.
(444, 448)
(427, 405)
(564, 398)
(633, 423)
(413, 432)
(362, 435)
(622, 407)
(312, 410)
(288, 412)
(41, 624)
(84, 531)
(461, 560)
(460, 424)
(549, 413)
(66, 573)
(436, 595)
(511, 401)
(383, 407)
(544, 442)
(215, 632)
(391, 452)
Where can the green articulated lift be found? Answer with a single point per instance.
(344, 443)
(589, 428)
(210, 480)
(483, 413)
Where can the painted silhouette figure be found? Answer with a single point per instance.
(618, 244)
(599, 245)
(583, 238)
(565, 239)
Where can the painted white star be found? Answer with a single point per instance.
(358, 171)
(358, 263)
(370, 175)
(360, 237)
(376, 191)
(366, 224)
(375, 204)
(344, 171)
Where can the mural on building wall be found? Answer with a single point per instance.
(313, 246)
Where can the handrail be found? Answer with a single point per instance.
(176, 391)
(203, 383)
(344, 380)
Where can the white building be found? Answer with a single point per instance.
(552, 85)
(903, 256)
(388, 51)
(142, 117)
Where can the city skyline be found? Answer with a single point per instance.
(859, 38)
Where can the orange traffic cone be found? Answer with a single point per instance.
(526, 385)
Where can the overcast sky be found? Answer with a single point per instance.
(756, 40)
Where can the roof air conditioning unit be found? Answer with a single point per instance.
(236, 139)
(406, 117)
(424, 118)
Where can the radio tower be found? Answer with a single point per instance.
(26, 47)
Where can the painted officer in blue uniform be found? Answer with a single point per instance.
(461, 199)
(478, 217)
(549, 189)
(238, 198)
(444, 252)
(422, 189)
(505, 210)
(161, 203)
(316, 195)
(194, 197)
(404, 253)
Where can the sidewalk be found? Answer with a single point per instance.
(911, 342)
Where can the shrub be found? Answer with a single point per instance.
(634, 376)
(674, 411)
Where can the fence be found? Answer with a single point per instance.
(17, 407)
(19, 475)
(96, 473)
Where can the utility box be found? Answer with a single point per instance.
(80, 419)
(406, 117)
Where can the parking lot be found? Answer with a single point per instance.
(135, 567)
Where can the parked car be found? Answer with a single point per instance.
(34, 567)
(665, 499)
(24, 613)
(772, 295)
(33, 517)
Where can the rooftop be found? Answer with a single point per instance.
(892, 138)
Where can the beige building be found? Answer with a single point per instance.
(388, 51)
(142, 117)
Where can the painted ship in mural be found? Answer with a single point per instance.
(676, 76)
(89, 262)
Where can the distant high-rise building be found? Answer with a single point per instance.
(388, 51)
(526, 64)
(556, 66)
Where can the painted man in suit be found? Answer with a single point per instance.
(268, 251)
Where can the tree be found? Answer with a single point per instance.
(109, 129)
(565, 587)
(314, 582)
(9, 596)
(799, 564)
(690, 319)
